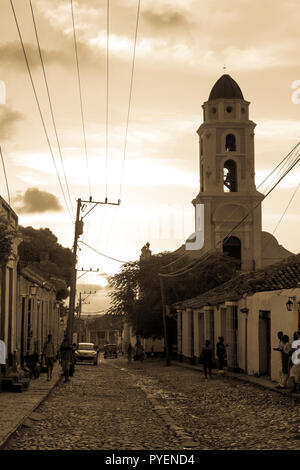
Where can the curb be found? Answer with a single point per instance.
(27, 414)
(243, 379)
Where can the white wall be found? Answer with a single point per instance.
(281, 320)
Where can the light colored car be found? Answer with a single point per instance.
(86, 353)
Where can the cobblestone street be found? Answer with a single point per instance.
(149, 406)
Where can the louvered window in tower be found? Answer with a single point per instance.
(230, 143)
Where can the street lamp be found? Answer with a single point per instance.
(33, 290)
(289, 304)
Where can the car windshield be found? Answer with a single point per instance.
(86, 346)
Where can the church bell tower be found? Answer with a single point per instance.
(227, 187)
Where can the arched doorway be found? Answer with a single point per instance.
(232, 247)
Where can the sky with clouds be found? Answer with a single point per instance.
(182, 46)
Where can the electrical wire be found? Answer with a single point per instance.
(113, 220)
(285, 210)
(50, 104)
(6, 181)
(280, 163)
(107, 97)
(39, 107)
(130, 97)
(80, 97)
(292, 165)
(102, 254)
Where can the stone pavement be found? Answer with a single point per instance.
(148, 406)
(15, 408)
(102, 407)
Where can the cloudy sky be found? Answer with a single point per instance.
(182, 47)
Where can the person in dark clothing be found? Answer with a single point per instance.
(129, 352)
(221, 353)
(206, 356)
(66, 358)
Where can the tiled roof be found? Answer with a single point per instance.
(282, 275)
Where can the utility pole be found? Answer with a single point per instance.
(87, 271)
(78, 231)
(81, 205)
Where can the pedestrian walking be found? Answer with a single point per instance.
(65, 359)
(49, 354)
(129, 352)
(139, 351)
(221, 354)
(279, 348)
(285, 361)
(295, 369)
(206, 357)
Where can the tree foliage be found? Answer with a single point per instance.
(135, 290)
(40, 249)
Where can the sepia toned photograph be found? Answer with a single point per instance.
(149, 229)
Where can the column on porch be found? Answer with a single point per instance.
(187, 335)
(209, 328)
(179, 335)
(232, 334)
(198, 334)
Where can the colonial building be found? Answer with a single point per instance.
(249, 309)
(28, 307)
(38, 314)
(8, 283)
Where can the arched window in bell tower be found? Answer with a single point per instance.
(230, 143)
(232, 247)
(230, 178)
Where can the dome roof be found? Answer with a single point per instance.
(226, 88)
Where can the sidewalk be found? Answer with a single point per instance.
(259, 381)
(16, 407)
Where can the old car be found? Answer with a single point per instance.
(86, 353)
(110, 350)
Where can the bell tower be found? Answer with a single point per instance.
(227, 186)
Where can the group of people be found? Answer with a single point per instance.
(66, 357)
(137, 352)
(207, 356)
(289, 368)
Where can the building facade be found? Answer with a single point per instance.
(248, 311)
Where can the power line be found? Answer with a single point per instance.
(50, 104)
(38, 105)
(277, 166)
(130, 95)
(128, 112)
(102, 254)
(5, 175)
(107, 96)
(284, 212)
(80, 97)
(294, 163)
